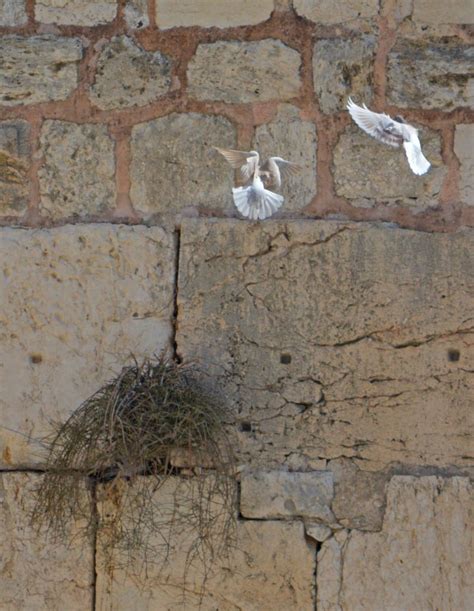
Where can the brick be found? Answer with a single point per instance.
(75, 12)
(330, 12)
(208, 13)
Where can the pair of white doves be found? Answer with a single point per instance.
(255, 200)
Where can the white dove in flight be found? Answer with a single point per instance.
(393, 132)
(254, 200)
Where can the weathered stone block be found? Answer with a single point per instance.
(367, 172)
(439, 12)
(38, 68)
(174, 165)
(75, 12)
(329, 12)
(431, 74)
(343, 67)
(292, 138)
(240, 72)
(14, 162)
(427, 533)
(76, 302)
(464, 149)
(283, 494)
(77, 175)
(36, 572)
(127, 75)
(136, 14)
(208, 13)
(376, 321)
(13, 12)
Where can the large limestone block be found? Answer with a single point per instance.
(75, 12)
(127, 75)
(208, 13)
(422, 559)
(431, 74)
(290, 137)
(464, 149)
(332, 339)
(270, 568)
(343, 68)
(175, 167)
(283, 494)
(13, 12)
(38, 68)
(330, 12)
(368, 172)
(76, 302)
(14, 165)
(242, 72)
(37, 573)
(439, 12)
(77, 177)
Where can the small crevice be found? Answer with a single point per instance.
(95, 524)
(174, 321)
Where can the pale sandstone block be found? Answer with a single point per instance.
(422, 559)
(38, 68)
(127, 75)
(290, 137)
(376, 321)
(77, 174)
(209, 13)
(14, 166)
(431, 74)
(37, 573)
(283, 494)
(464, 149)
(13, 12)
(438, 12)
(367, 172)
(174, 166)
(77, 301)
(75, 12)
(329, 12)
(241, 72)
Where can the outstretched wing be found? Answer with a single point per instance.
(418, 162)
(276, 168)
(378, 125)
(245, 161)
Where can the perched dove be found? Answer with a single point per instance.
(393, 132)
(254, 200)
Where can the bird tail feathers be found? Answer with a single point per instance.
(418, 162)
(255, 204)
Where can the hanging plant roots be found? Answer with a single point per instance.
(141, 466)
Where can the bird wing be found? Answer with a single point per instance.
(245, 161)
(418, 162)
(277, 168)
(378, 125)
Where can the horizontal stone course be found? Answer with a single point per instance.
(441, 12)
(208, 13)
(330, 12)
(75, 12)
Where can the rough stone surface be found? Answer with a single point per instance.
(422, 558)
(136, 14)
(270, 569)
(241, 72)
(208, 13)
(174, 166)
(343, 68)
(432, 74)
(329, 12)
(359, 496)
(77, 301)
(367, 172)
(441, 12)
(36, 573)
(14, 162)
(318, 532)
(464, 149)
(13, 12)
(38, 68)
(75, 12)
(77, 175)
(127, 75)
(282, 494)
(292, 138)
(333, 340)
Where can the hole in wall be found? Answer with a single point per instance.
(285, 359)
(453, 355)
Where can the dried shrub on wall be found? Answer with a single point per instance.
(143, 461)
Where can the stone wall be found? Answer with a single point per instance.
(345, 349)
